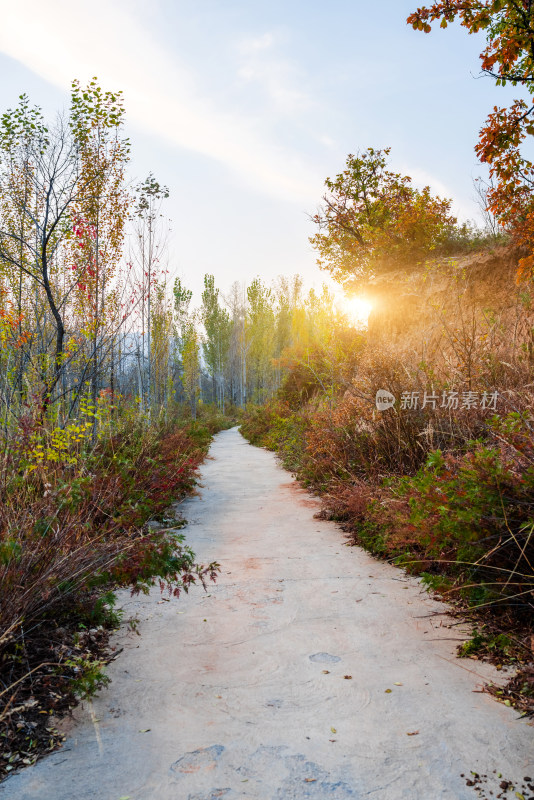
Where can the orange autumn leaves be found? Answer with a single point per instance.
(12, 333)
(508, 58)
(373, 217)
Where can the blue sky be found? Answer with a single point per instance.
(244, 107)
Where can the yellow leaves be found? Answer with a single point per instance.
(422, 26)
(62, 445)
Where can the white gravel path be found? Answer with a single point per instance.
(241, 693)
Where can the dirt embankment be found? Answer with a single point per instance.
(411, 306)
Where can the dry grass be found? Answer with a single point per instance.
(447, 492)
(71, 531)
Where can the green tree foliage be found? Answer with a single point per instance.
(161, 324)
(261, 330)
(374, 219)
(182, 301)
(188, 345)
(191, 366)
(150, 245)
(63, 207)
(216, 345)
(99, 214)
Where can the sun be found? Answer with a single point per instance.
(357, 309)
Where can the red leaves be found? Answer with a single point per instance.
(507, 57)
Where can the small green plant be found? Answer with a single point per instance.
(88, 676)
(103, 612)
(435, 583)
(484, 642)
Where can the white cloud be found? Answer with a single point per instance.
(254, 44)
(276, 77)
(61, 40)
(272, 80)
(326, 140)
(422, 178)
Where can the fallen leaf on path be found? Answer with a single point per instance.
(144, 730)
(397, 683)
(325, 671)
(388, 691)
(333, 730)
(348, 677)
(412, 733)
(310, 780)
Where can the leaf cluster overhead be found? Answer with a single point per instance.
(374, 218)
(508, 58)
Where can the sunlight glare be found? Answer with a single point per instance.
(357, 309)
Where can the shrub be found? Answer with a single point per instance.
(72, 529)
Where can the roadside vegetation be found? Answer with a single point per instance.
(443, 489)
(111, 386)
(112, 383)
(74, 530)
(106, 408)
(440, 479)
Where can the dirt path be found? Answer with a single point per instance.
(242, 693)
